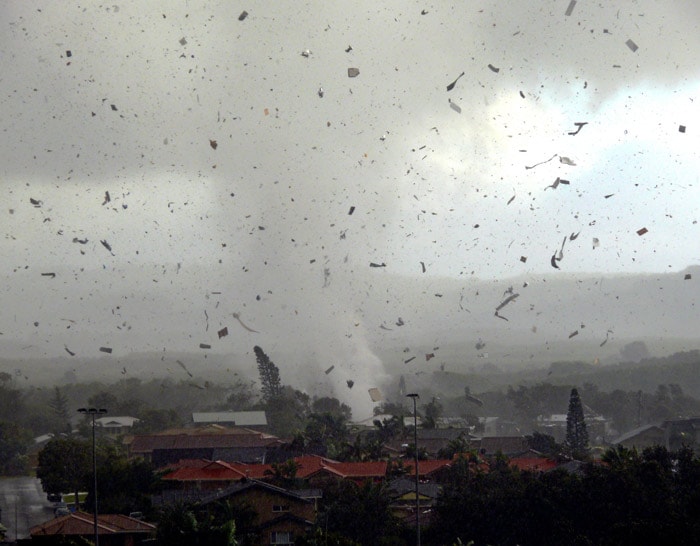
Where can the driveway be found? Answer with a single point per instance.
(23, 504)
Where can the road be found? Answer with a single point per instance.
(23, 505)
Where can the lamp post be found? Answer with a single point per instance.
(92, 412)
(415, 396)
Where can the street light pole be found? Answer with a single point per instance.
(415, 396)
(92, 412)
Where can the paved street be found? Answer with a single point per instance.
(23, 505)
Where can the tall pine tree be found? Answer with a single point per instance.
(271, 385)
(576, 433)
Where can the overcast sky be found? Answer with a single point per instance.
(234, 148)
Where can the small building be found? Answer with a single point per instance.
(113, 529)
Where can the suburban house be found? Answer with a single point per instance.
(256, 420)
(282, 515)
(598, 427)
(114, 426)
(113, 529)
(402, 492)
(213, 442)
(671, 434)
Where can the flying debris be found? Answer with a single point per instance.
(306, 53)
(107, 350)
(52, 275)
(352, 209)
(596, 242)
(329, 370)
(455, 106)
(385, 328)
(571, 7)
(69, 351)
(540, 163)
(35, 202)
(350, 383)
(238, 318)
(353, 72)
(553, 261)
(451, 86)
(642, 231)
(223, 332)
(573, 236)
(501, 316)
(523, 259)
(494, 69)
(566, 161)
(81, 241)
(687, 277)
(375, 394)
(183, 41)
(373, 264)
(428, 356)
(422, 264)
(631, 45)
(506, 301)
(409, 360)
(554, 185)
(579, 126)
(681, 128)
(107, 198)
(480, 345)
(608, 196)
(511, 200)
(243, 15)
(106, 245)
(214, 145)
(204, 346)
(572, 334)
(182, 365)
(321, 92)
(399, 322)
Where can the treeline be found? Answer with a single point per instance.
(629, 498)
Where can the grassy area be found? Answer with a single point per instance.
(69, 498)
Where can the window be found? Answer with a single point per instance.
(281, 537)
(280, 508)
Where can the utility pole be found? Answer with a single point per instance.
(92, 412)
(415, 396)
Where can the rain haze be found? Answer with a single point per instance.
(347, 184)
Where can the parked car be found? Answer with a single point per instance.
(54, 497)
(61, 509)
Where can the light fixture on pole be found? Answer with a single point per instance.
(92, 412)
(415, 396)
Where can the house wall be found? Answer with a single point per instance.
(262, 501)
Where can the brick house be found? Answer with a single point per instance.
(282, 515)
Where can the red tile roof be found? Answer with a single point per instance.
(427, 467)
(535, 464)
(81, 523)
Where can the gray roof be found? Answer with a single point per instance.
(635, 432)
(240, 418)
